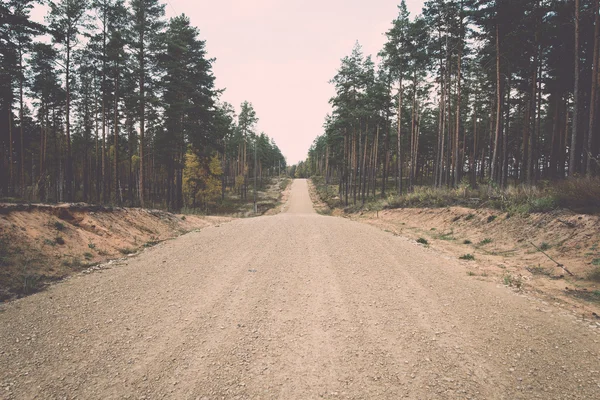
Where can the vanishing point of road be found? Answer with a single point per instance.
(292, 306)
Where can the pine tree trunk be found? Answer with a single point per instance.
(399, 151)
(593, 93)
(142, 108)
(116, 140)
(69, 166)
(494, 167)
(573, 156)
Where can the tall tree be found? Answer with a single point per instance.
(66, 19)
(147, 24)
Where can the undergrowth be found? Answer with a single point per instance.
(578, 194)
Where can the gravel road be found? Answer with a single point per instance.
(292, 306)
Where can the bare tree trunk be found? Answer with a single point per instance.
(399, 151)
(11, 158)
(116, 140)
(458, 167)
(142, 110)
(69, 166)
(494, 167)
(573, 156)
(593, 93)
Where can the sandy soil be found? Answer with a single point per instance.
(509, 246)
(45, 243)
(293, 306)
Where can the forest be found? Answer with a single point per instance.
(470, 93)
(108, 102)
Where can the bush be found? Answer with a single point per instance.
(59, 226)
(422, 241)
(581, 194)
(485, 241)
(59, 240)
(468, 257)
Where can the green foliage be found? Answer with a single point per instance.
(126, 250)
(59, 226)
(485, 241)
(545, 246)
(596, 261)
(422, 241)
(513, 281)
(491, 218)
(468, 257)
(88, 255)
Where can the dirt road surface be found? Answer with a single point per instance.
(292, 306)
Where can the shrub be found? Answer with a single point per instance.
(491, 218)
(513, 281)
(59, 226)
(88, 256)
(422, 241)
(467, 241)
(485, 241)
(59, 240)
(545, 246)
(543, 204)
(581, 194)
(468, 257)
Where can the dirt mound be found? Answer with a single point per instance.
(523, 251)
(44, 243)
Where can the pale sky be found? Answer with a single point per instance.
(281, 54)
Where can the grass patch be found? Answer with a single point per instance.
(471, 273)
(596, 261)
(91, 246)
(126, 250)
(88, 255)
(591, 296)
(469, 217)
(594, 275)
(468, 257)
(491, 218)
(74, 262)
(4, 252)
(485, 241)
(538, 270)
(59, 226)
(422, 241)
(447, 236)
(545, 246)
(513, 281)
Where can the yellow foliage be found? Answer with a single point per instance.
(201, 182)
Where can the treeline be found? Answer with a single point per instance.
(107, 101)
(470, 91)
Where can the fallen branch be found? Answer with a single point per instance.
(552, 259)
